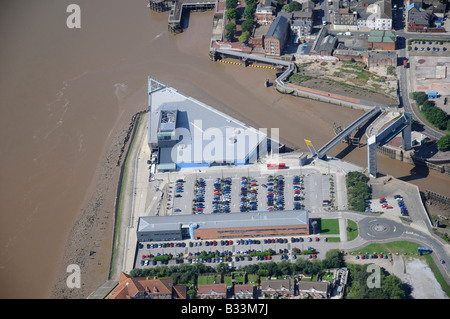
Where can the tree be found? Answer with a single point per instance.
(222, 268)
(232, 14)
(293, 6)
(249, 11)
(244, 37)
(419, 97)
(231, 4)
(437, 117)
(426, 106)
(444, 143)
(230, 28)
(247, 25)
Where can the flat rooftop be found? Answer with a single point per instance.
(229, 220)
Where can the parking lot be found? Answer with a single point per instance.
(272, 191)
(402, 197)
(430, 47)
(237, 252)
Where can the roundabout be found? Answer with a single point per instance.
(380, 228)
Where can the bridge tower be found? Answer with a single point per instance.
(403, 125)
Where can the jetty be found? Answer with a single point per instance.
(176, 10)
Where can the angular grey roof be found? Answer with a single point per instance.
(278, 27)
(196, 124)
(324, 41)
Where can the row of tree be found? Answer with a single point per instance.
(188, 273)
(233, 15)
(357, 191)
(432, 114)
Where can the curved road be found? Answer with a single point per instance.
(382, 230)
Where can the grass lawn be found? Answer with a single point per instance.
(400, 247)
(208, 279)
(251, 279)
(227, 280)
(352, 230)
(329, 226)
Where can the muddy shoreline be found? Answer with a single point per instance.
(89, 244)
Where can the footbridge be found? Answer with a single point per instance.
(322, 152)
(400, 125)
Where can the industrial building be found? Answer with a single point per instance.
(185, 132)
(225, 226)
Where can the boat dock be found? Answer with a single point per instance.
(176, 9)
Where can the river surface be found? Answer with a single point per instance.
(61, 91)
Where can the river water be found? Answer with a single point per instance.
(61, 91)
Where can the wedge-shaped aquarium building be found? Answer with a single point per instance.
(185, 132)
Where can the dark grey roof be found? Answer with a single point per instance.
(419, 18)
(302, 14)
(386, 9)
(324, 41)
(278, 27)
(345, 18)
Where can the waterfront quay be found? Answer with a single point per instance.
(176, 9)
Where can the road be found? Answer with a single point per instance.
(404, 90)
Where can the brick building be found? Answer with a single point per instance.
(212, 291)
(246, 291)
(380, 59)
(278, 288)
(381, 40)
(211, 226)
(276, 36)
(313, 289)
(265, 12)
(146, 288)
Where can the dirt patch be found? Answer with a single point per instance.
(420, 277)
(347, 78)
(413, 271)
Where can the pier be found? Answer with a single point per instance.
(176, 10)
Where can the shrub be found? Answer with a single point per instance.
(444, 143)
(420, 97)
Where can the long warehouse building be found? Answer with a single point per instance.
(232, 225)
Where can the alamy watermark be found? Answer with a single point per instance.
(374, 279)
(74, 279)
(73, 21)
(230, 144)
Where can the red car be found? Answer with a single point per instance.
(317, 238)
